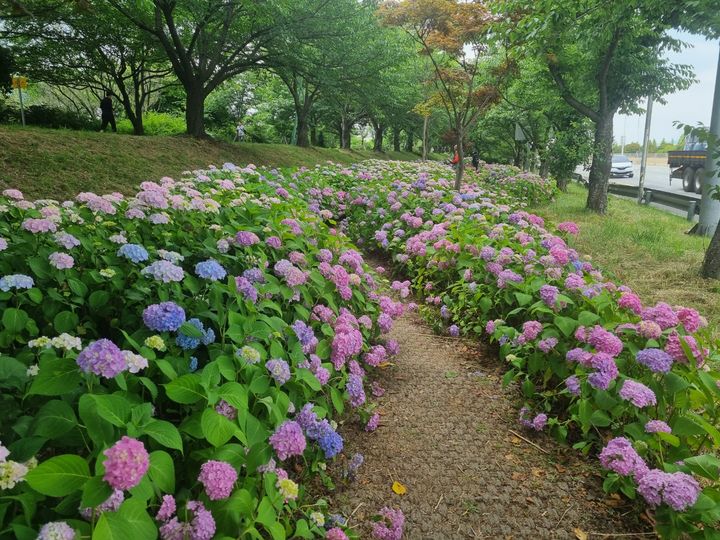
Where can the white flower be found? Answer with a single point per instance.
(32, 370)
(67, 342)
(135, 362)
(41, 342)
(107, 272)
(4, 453)
(11, 473)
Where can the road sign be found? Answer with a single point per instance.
(19, 82)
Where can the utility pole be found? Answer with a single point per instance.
(622, 144)
(646, 138)
(709, 207)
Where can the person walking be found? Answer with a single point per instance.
(239, 132)
(456, 157)
(475, 158)
(107, 115)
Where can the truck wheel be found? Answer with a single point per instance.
(688, 180)
(699, 179)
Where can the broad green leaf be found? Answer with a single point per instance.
(57, 376)
(59, 476)
(216, 428)
(165, 433)
(14, 320)
(185, 389)
(113, 408)
(162, 471)
(130, 522)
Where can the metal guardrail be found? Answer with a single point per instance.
(679, 201)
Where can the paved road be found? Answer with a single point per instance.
(656, 177)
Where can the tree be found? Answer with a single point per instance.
(453, 36)
(211, 41)
(90, 49)
(603, 58)
(7, 67)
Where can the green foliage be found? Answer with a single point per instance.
(156, 124)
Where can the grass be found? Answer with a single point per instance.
(643, 247)
(59, 163)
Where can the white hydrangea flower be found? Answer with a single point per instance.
(67, 342)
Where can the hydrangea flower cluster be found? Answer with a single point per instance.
(102, 358)
(126, 462)
(288, 440)
(164, 317)
(218, 479)
(391, 525)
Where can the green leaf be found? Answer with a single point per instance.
(162, 471)
(323, 349)
(14, 320)
(59, 476)
(266, 513)
(113, 408)
(95, 492)
(254, 430)
(164, 433)
(600, 419)
(216, 428)
(235, 394)
(130, 522)
(54, 419)
(65, 321)
(523, 299)
(57, 376)
(587, 318)
(99, 299)
(705, 465)
(77, 286)
(190, 331)
(185, 389)
(566, 325)
(337, 400)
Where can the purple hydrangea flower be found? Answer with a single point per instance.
(164, 317)
(279, 370)
(355, 390)
(391, 525)
(656, 360)
(373, 423)
(218, 479)
(16, 281)
(454, 331)
(288, 440)
(246, 238)
(657, 426)
(637, 393)
(103, 358)
(620, 456)
(56, 530)
(164, 271)
(572, 383)
(678, 490)
(548, 294)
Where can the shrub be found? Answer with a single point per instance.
(591, 360)
(156, 124)
(178, 355)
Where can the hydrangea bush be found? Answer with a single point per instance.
(172, 362)
(636, 384)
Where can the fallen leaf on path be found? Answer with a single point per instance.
(580, 534)
(537, 473)
(385, 364)
(517, 476)
(398, 488)
(515, 440)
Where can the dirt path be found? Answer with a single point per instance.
(445, 435)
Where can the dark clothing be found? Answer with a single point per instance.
(108, 120)
(108, 117)
(106, 106)
(475, 159)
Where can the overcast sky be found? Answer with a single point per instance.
(689, 106)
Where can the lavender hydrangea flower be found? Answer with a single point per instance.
(102, 358)
(246, 238)
(164, 271)
(548, 294)
(56, 530)
(134, 252)
(678, 490)
(211, 270)
(288, 440)
(246, 288)
(279, 370)
(657, 426)
(164, 317)
(572, 383)
(637, 393)
(355, 390)
(620, 456)
(111, 504)
(16, 281)
(453, 330)
(391, 525)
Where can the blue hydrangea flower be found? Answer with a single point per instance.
(164, 317)
(193, 363)
(189, 343)
(16, 281)
(331, 443)
(136, 253)
(210, 269)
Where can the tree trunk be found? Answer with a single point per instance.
(601, 162)
(711, 264)
(409, 143)
(461, 154)
(379, 134)
(302, 133)
(195, 112)
(313, 136)
(345, 132)
(321, 139)
(425, 138)
(396, 139)
(562, 184)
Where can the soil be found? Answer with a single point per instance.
(446, 435)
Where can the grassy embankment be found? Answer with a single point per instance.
(59, 164)
(646, 248)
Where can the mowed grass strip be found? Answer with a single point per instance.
(645, 248)
(59, 164)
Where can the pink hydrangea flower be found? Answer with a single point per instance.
(126, 463)
(218, 478)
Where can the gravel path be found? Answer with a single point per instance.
(445, 434)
